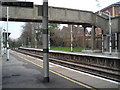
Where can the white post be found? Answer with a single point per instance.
(35, 41)
(49, 40)
(1, 41)
(102, 43)
(110, 32)
(110, 41)
(7, 34)
(71, 38)
(36, 38)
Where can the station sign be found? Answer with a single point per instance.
(5, 34)
(18, 4)
(109, 35)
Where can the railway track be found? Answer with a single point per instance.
(112, 74)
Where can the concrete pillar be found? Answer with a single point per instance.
(106, 43)
(118, 39)
(84, 36)
(33, 35)
(45, 41)
(119, 45)
(93, 38)
(0, 16)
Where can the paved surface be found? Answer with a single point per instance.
(22, 73)
(18, 73)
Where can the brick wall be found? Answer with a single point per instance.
(114, 10)
(78, 37)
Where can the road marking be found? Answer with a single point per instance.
(72, 80)
(58, 74)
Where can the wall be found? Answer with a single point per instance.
(114, 10)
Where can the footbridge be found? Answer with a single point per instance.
(60, 15)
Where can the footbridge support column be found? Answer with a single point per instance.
(118, 38)
(84, 36)
(106, 43)
(93, 38)
(119, 45)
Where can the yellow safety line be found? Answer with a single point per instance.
(59, 74)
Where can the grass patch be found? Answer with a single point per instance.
(75, 49)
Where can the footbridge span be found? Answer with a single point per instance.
(61, 16)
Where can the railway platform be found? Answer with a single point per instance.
(23, 71)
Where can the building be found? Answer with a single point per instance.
(114, 9)
(77, 36)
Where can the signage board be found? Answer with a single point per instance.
(18, 4)
(109, 35)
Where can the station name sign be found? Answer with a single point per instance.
(18, 4)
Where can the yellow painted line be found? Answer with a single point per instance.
(59, 74)
(72, 80)
(31, 62)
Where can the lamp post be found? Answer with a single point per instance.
(71, 38)
(107, 13)
(7, 34)
(36, 38)
(4, 41)
(110, 32)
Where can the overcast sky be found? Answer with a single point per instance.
(89, 5)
